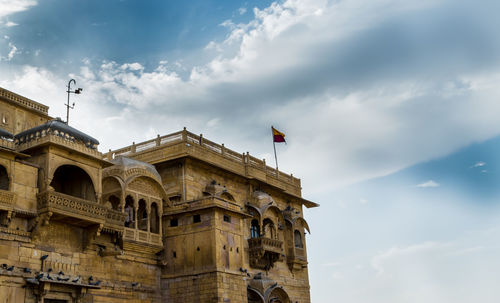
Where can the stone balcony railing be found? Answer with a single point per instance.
(203, 203)
(131, 234)
(265, 244)
(264, 252)
(114, 220)
(184, 143)
(71, 209)
(7, 199)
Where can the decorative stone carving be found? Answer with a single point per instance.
(143, 186)
(264, 252)
(72, 207)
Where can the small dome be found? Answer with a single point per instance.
(5, 134)
(128, 163)
(62, 128)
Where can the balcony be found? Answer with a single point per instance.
(296, 259)
(264, 252)
(141, 241)
(114, 220)
(6, 200)
(72, 210)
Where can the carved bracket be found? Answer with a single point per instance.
(35, 223)
(91, 233)
(6, 217)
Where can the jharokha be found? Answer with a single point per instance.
(174, 219)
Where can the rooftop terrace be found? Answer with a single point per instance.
(184, 144)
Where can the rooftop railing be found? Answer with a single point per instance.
(249, 164)
(24, 101)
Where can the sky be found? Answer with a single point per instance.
(390, 110)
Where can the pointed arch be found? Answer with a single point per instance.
(277, 295)
(275, 209)
(300, 222)
(256, 211)
(254, 296)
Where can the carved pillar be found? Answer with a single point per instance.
(136, 209)
(148, 212)
(160, 220)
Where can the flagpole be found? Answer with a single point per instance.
(274, 145)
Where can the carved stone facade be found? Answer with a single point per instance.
(174, 219)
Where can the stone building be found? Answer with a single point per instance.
(174, 219)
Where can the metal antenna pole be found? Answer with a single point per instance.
(69, 91)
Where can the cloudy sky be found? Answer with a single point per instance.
(390, 110)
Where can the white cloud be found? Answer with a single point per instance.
(242, 10)
(132, 66)
(10, 24)
(479, 164)
(12, 52)
(285, 67)
(9, 7)
(430, 183)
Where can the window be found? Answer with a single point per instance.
(297, 237)
(142, 216)
(154, 222)
(254, 229)
(196, 219)
(4, 178)
(268, 229)
(174, 222)
(227, 219)
(129, 212)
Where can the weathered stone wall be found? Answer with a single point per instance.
(15, 119)
(227, 240)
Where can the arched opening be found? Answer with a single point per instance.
(155, 219)
(278, 295)
(227, 196)
(269, 228)
(129, 212)
(297, 238)
(4, 178)
(254, 297)
(254, 229)
(74, 181)
(115, 202)
(111, 190)
(142, 216)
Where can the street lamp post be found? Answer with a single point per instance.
(69, 91)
